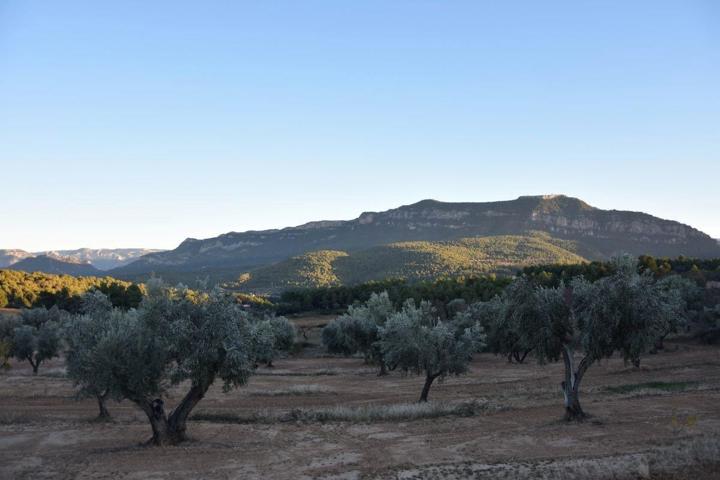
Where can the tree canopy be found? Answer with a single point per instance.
(415, 340)
(622, 312)
(175, 336)
(27, 290)
(357, 330)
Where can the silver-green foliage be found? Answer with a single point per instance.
(283, 331)
(175, 336)
(262, 339)
(685, 296)
(37, 339)
(622, 313)
(415, 340)
(36, 317)
(89, 356)
(357, 330)
(8, 324)
(270, 335)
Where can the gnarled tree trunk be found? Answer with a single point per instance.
(571, 385)
(170, 429)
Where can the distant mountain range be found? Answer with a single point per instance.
(60, 266)
(587, 232)
(423, 240)
(101, 259)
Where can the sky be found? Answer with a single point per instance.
(139, 124)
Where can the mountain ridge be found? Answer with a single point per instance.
(57, 266)
(100, 258)
(599, 234)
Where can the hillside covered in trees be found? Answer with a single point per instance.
(466, 257)
(473, 288)
(24, 290)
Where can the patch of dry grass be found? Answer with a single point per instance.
(664, 386)
(361, 414)
(311, 373)
(294, 390)
(13, 418)
(664, 460)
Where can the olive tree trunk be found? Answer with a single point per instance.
(429, 379)
(35, 364)
(571, 385)
(519, 356)
(660, 342)
(103, 413)
(171, 429)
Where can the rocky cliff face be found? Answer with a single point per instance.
(609, 224)
(597, 233)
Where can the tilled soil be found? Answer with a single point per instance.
(669, 430)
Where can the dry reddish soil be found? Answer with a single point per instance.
(645, 433)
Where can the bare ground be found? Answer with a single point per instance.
(662, 431)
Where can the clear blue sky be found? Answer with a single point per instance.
(137, 123)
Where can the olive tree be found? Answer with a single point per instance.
(619, 313)
(284, 332)
(358, 330)
(8, 324)
(348, 335)
(37, 339)
(175, 337)
(84, 336)
(269, 336)
(506, 315)
(491, 317)
(686, 298)
(414, 340)
(36, 317)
